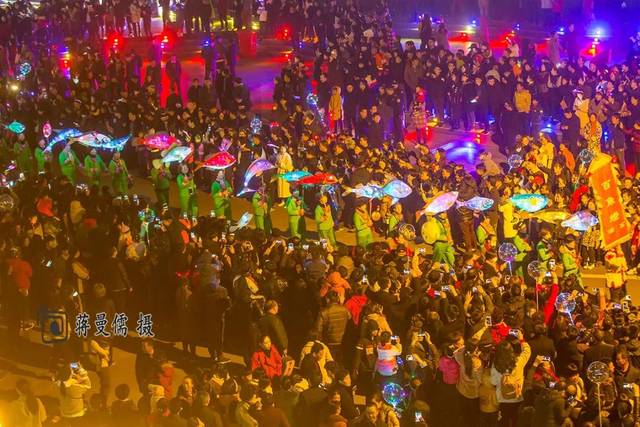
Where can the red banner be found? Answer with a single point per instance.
(614, 227)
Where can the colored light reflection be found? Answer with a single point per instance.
(463, 152)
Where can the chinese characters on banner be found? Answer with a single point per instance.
(614, 227)
(119, 327)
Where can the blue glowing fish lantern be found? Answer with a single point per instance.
(396, 189)
(62, 135)
(15, 127)
(529, 202)
(477, 203)
(244, 220)
(117, 144)
(294, 176)
(254, 169)
(101, 141)
(369, 191)
(581, 221)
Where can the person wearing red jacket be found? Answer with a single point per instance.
(19, 272)
(267, 358)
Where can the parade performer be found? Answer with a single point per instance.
(221, 194)
(295, 209)
(119, 175)
(94, 167)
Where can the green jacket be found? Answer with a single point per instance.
(544, 254)
(261, 204)
(41, 159)
(94, 168)
(24, 158)
(68, 162)
(293, 206)
(324, 219)
(219, 200)
(161, 181)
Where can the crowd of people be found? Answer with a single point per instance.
(419, 323)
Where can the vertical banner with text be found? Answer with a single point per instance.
(603, 178)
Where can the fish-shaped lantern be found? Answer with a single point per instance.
(15, 127)
(294, 176)
(319, 178)
(369, 191)
(477, 203)
(440, 203)
(396, 189)
(257, 167)
(552, 216)
(177, 154)
(244, 220)
(62, 135)
(581, 221)
(218, 161)
(159, 141)
(529, 202)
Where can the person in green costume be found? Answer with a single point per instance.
(261, 203)
(443, 249)
(221, 194)
(94, 167)
(68, 163)
(187, 192)
(395, 218)
(362, 222)
(22, 153)
(41, 156)
(161, 179)
(569, 258)
(295, 210)
(486, 234)
(544, 248)
(324, 220)
(524, 248)
(119, 175)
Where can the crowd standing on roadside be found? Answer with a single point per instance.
(423, 302)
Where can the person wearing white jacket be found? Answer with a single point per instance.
(510, 382)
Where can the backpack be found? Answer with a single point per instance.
(510, 387)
